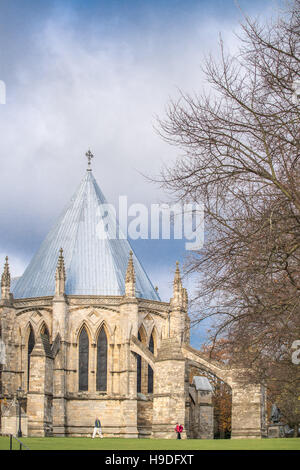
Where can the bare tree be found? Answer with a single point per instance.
(241, 160)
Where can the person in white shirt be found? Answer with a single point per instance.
(97, 428)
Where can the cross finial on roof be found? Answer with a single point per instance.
(89, 156)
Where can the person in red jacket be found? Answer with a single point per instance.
(178, 429)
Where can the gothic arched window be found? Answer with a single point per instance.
(101, 377)
(45, 336)
(31, 343)
(150, 370)
(83, 360)
(139, 369)
(45, 332)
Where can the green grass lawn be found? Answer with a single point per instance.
(86, 443)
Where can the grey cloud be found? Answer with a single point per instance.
(74, 88)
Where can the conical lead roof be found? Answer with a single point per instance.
(95, 261)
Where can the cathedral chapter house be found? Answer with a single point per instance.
(84, 333)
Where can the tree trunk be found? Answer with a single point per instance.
(296, 430)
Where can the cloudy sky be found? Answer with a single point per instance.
(94, 74)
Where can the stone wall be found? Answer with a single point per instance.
(200, 414)
(206, 415)
(169, 395)
(53, 399)
(10, 419)
(40, 396)
(247, 419)
(82, 412)
(144, 417)
(10, 425)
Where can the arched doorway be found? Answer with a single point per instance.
(213, 418)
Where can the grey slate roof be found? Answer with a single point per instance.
(95, 261)
(13, 282)
(202, 383)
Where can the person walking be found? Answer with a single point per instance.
(97, 428)
(178, 430)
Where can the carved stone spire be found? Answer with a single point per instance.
(177, 285)
(177, 309)
(130, 278)
(60, 275)
(177, 277)
(5, 281)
